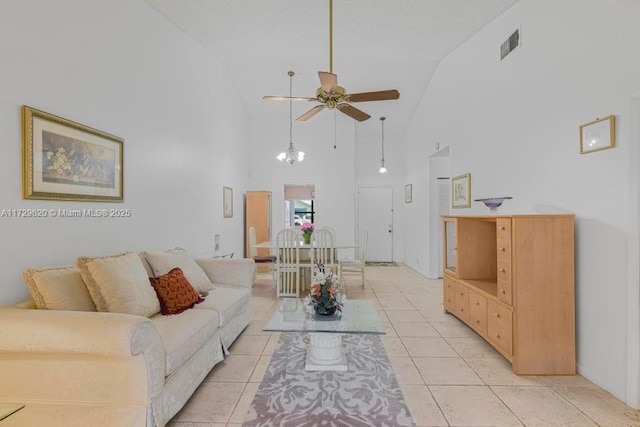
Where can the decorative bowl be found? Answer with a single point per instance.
(493, 203)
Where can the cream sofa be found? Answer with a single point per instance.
(81, 368)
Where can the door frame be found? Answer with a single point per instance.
(357, 219)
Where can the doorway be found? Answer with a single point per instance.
(439, 202)
(375, 211)
(299, 204)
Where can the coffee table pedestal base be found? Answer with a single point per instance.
(325, 353)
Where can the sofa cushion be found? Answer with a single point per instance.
(184, 334)
(119, 284)
(175, 293)
(227, 301)
(163, 262)
(58, 288)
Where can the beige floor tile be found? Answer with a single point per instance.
(389, 330)
(427, 305)
(240, 412)
(600, 406)
(271, 344)
(472, 406)
(405, 371)
(260, 369)
(394, 347)
(249, 344)
(541, 406)
(446, 371)
(391, 305)
(472, 347)
(185, 424)
(404, 316)
(422, 329)
(453, 330)
(255, 328)
(423, 408)
(428, 347)
(234, 368)
(498, 371)
(212, 402)
(439, 316)
(566, 381)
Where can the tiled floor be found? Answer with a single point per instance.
(449, 375)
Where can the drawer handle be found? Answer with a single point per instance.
(502, 270)
(501, 249)
(477, 321)
(461, 309)
(477, 302)
(501, 228)
(497, 336)
(461, 293)
(502, 291)
(497, 315)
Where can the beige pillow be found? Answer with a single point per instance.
(58, 288)
(119, 284)
(163, 262)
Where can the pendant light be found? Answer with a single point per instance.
(292, 155)
(382, 168)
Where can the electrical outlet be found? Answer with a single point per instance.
(216, 245)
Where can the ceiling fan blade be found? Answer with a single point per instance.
(287, 98)
(328, 81)
(315, 110)
(382, 95)
(353, 112)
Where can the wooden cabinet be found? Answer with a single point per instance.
(258, 216)
(511, 279)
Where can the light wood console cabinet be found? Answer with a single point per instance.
(511, 279)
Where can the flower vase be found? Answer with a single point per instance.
(307, 238)
(325, 311)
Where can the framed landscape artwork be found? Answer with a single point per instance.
(227, 202)
(461, 191)
(64, 160)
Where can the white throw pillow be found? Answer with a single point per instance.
(58, 288)
(163, 262)
(119, 284)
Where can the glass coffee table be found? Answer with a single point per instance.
(325, 351)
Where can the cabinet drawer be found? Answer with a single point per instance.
(505, 287)
(504, 249)
(462, 302)
(478, 313)
(503, 228)
(449, 294)
(499, 326)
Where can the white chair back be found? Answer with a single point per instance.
(363, 245)
(288, 263)
(253, 252)
(322, 249)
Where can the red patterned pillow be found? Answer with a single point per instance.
(175, 293)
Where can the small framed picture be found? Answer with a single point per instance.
(461, 191)
(598, 135)
(407, 193)
(227, 202)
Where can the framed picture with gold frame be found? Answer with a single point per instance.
(461, 191)
(227, 202)
(64, 160)
(597, 135)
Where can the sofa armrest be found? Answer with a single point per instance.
(230, 272)
(69, 348)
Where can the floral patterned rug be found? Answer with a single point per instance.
(366, 395)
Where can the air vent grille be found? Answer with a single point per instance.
(510, 44)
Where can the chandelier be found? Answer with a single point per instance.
(291, 155)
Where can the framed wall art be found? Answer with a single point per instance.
(597, 135)
(408, 196)
(461, 191)
(64, 160)
(227, 202)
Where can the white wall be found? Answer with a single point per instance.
(514, 126)
(118, 66)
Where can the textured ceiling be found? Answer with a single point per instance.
(378, 45)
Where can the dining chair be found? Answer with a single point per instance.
(261, 260)
(288, 263)
(323, 249)
(355, 266)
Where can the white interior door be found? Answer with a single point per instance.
(375, 211)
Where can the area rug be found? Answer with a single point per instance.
(367, 394)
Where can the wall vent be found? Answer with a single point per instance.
(510, 44)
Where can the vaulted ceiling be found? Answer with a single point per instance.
(378, 45)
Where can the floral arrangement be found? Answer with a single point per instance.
(307, 228)
(324, 297)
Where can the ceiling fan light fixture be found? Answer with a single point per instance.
(382, 168)
(291, 155)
